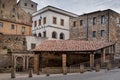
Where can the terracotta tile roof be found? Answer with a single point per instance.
(71, 45)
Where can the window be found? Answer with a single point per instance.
(25, 4)
(44, 20)
(62, 36)
(39, 22)
(39, 35)
(3, 5)
(81, 22)
(1, 24)
(102, 33)
(1, 11)
(35, 23)
(44, 34)
(32, 5)
(12, 27)
(13, 10)
(62, 22)
(24, 41)
(94, 33)
(94, 20)
(74, 24)
(23, 30)
(54, 35)
(102, 19)
(33, 45)
(54, 20)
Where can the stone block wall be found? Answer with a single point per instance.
(85, 30)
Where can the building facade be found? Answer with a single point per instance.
(96, 26)
(52, 23)
(28, 6)
(14, 20)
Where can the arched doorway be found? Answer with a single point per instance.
(19, 64)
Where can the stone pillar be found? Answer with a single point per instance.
(36, 63)
(91, 60)
(27, 62)
(24, 63)
(64, 63)
(103, 56)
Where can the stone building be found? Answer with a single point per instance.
(13, 19)
(28, 6)
(97, 26)
(51, 22)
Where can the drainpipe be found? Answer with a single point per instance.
(87, 28)
(108, 26)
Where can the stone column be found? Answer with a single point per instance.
(36, 63)
(64, 63)
(103, 56)
(23, 63)
(91, 60)
(27, 62)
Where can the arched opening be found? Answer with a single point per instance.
(39, 35)
(19, 64)
(62, 36)
(54, 35)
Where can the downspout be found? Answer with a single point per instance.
(87, 29)
(108, 26)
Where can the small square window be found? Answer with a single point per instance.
(12, 27)
(39, 22)
(94, 34)
(94, 20)
(102, 33)
(32, 5)
(44, 20)
(81, 22)
(102, 19)
(23, 30)
(54, 20)
(74, 24)
(62, 22)
(3, 5)
(1, 24)
(25, 4)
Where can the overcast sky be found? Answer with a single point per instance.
(81, 6)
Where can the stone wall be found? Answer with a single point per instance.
(111, 27)
(11, 11)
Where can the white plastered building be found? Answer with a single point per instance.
(51, 22)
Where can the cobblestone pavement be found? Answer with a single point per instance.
(102, 75)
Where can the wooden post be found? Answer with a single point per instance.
(36, 63)
(103, 56)
(82, 69)
(64, 63)
(91, 60)
(97, 68)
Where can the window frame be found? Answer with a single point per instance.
(103, 19)
(62, 22)
(94, 34)
(102, 33)
(12, 26)
(94, 20)
(1, 24)
(54, 20)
